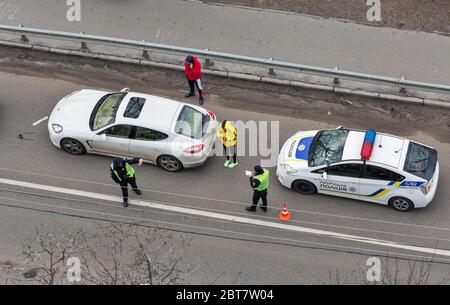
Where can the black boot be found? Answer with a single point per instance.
(137, 191)
(190, 94)
(201, 101)
(263, 208)
(125, 204)
(251, 209)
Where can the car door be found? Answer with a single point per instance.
(340, 179)
(148, 143)
(113, 140)
(378, 182)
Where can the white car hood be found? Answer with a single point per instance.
(74, 110)
(295, 150)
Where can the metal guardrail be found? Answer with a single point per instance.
(402, 83)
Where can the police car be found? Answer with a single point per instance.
(363, 165)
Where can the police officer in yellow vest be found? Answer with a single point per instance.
(260, 184)
(123, 173)
(228, 134)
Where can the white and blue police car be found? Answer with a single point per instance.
(363, 165)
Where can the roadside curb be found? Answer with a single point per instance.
(239, 76)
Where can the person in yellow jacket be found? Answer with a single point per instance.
(228, 134)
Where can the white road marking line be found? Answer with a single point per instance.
(40, 121)
(226, 217)
(238, 202)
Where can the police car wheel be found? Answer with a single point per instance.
(401, 204)
(73, 146)
(304, 187)
(170, 163)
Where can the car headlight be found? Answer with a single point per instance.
(57, 128)
(287, 168)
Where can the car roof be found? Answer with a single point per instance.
(157, 112)
(387, 149)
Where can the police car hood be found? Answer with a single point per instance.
(295, 151)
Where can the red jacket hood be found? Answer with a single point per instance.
(196, 71)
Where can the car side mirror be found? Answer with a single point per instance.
(325, 175)
(180, 131)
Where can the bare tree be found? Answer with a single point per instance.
(393, 271)
(43, 258)
(113, 255)
(397, 271)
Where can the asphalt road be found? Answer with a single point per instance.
(32, 83)
(280, 35)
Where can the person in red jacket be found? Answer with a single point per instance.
(193, 70)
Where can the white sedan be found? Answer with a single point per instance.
(362, 165)
(165, 132)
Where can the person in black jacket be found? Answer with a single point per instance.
(123, 173)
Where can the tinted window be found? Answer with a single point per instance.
(146, 134)
(105, 111)
(134, 107)
(420, 160)
(328, 145)
(379, 173)
(119, 131)
(346, 170)
(192, 123)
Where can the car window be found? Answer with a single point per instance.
(327, 146)
(134, 107)
(105, 111)
(420, 161)
(346, 170)
(192, 123)
(119, 131)
(145, 134)
(379, 173)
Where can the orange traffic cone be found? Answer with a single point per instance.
(284, 214)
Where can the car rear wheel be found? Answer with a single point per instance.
(73, 146)
(304, 187)
(170, 163)
(401, 204)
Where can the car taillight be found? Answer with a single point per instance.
(426, 188)
(194, 149)
(212, 115)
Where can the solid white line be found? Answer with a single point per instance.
(226, 217)
(237, 202)
(40, 121)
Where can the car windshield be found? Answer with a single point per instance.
(105, 111)
(192, 123)
(420, 161)
(328, 146)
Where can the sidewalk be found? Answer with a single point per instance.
(282, 36)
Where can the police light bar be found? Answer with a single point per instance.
(369, 140)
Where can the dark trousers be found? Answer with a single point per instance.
(230, 151)
(259, 195)
(124, 187)
(196, 83)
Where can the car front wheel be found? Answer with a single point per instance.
(73, 147)
(169, 163)
(401, 204)
(304, 187)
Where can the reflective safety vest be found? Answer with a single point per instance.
(128, 168)
(264, 179)
(228, 135)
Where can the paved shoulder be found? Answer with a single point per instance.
(283, 36)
